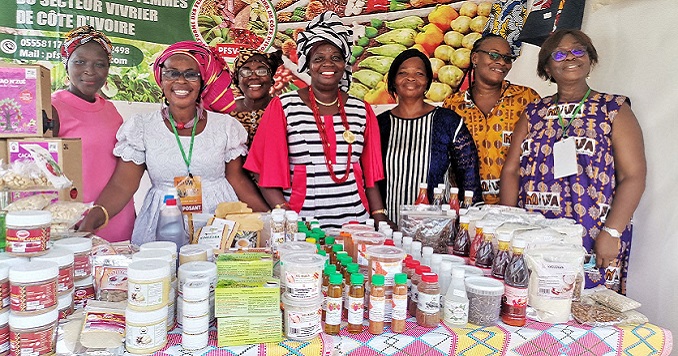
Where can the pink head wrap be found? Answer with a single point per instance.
(216, 92)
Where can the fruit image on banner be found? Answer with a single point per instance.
(445, 34)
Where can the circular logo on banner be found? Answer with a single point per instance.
(229, 25)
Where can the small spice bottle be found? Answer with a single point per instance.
(356, 304)
(414, 292)
(81, 248)
(399, 297)
(336, 248)
(428, 304)
(351, 268)
(334, 304)
(476, 242)
(377, 306)
(327, 272)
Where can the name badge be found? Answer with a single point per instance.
(189, 189)
(564, 158)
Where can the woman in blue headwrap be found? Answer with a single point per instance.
(317, 150)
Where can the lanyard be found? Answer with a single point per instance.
(564, 126)
(181, 147)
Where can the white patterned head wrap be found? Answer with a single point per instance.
(326, 27)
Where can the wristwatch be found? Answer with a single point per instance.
(613, 232)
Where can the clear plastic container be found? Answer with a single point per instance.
(33, 287)
(287, 248)
(148, 285)
(145, 331)
(386, 261)
(28, 232)
(361, 240)
(301, 318)
(81, 248)
(484, 296)
(303, 275)
(64, 258)
(33, 335)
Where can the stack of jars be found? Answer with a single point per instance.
(302, 299)
(81, 248)
(166, 256)
(195, 315)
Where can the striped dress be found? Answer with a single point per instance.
(287, 153)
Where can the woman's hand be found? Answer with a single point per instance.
(382, 217)
(606, 249)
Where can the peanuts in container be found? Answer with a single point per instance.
(28, 232)
(34, 334)
(301, 318)
(148, 285)
(145, 331)
(81, 248)
(65, 259)
(303, 275)
(33, 287)
(484, 296)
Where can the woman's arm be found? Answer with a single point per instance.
(120, 189)
(243, 186)
(630, 171)
(377, 207)
(509, 183)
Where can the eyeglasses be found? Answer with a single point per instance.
(560, 56)
(260, 72)
(189, 75)
(495, 56)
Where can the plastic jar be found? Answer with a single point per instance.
(301, 318)
(195, 325)
(471, 271)
(66, 306)
(361, 240)
(4, 287)
(197, 270)
(484, 297)
(171, 309)
(162, 255)
(148, 284)
(455, 260)
(194, 341)
(303, 275)
(81, 248)
(428, 302)
(84, 291)
(4, 333)
(65, 259)
(385, 260)
(163, 245)
(145, 331)
(33, 335)
(287, 248)
(28, 232)
(196, 291)
(190, 253)
(33, 287)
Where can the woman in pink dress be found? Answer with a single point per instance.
(80, 112)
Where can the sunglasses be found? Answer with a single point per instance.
(189, 75)
(260, 72)
(560, 56)
(495, 56)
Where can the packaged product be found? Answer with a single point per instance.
(33, 202)
(427, 224)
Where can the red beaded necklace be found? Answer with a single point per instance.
(320, 124)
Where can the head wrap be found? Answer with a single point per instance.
(81, 35)
(326, 27)
(216, 94)
(272, 60)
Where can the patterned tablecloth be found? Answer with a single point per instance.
(534, 339)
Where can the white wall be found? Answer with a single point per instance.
(638, 56)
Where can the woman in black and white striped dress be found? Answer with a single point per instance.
(317, 150)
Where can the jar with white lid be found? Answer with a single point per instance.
(162, 255)
(198, 252)
(302, 274)
(33, 287)
(81, 248)
(162, 245)
(28, 232)
(145, 331)
(66, 306)
(65, 259)
(301, 318)
(194, 341)
(4, 333)
(4, 287)
(195, 325)
(148, 285)
(34, 334)
(84, 291)
(196, 291)
(198, 270)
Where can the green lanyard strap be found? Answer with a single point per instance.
(187, 160)
(565, 126)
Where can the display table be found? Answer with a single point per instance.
(532, 339)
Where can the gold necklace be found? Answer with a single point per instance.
(327, 104)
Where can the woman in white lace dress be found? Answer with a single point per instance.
(186, 141)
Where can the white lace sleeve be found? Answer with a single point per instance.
(237, 140)
(130, 145)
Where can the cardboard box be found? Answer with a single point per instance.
(245, 330)
(26, 92)
(245, 298)
(247, 266)
(66, 152)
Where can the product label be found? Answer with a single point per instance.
(455, 312)
(302, 285)
(4, 293)
(333, 313)
(399, 303)
(82, 267)
(414, 296)
(65, 281)
(33, 343)
(516, 297)
(103, 321)
(27, 240)
(111, 277)
(556, 280)
(324, 291)
(82, 295)
(428, 303)
(277, 238)
(345, 295)
(363, 258)
(387, 269)
(377, 308)
(146, 294)
(146, 337)
(4, 338)
(303, 324)
(33, 297)
(356, 310)
(388, 309)
(66, 311)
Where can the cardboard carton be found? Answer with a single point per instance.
(232, 298)
(244, 330)
(26, 92)
(245, 266)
